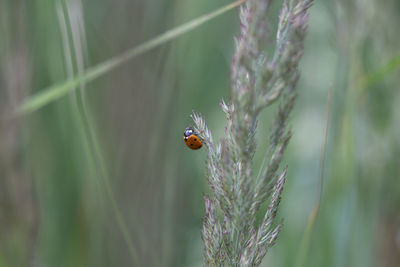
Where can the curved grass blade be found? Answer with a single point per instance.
(57, 91)
(305, 242)
(83, 116)
(381, 73)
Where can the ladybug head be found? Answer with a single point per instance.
(188, 132)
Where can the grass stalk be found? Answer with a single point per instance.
(231, 234)
(304, 247)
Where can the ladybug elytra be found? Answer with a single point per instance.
(192, 141)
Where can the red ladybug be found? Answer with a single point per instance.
(191, 139)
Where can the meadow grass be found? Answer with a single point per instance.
(93, 170)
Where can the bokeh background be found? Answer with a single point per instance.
(111, 151)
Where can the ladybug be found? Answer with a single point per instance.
(191, 139)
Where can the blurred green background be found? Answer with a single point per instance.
(74, 171)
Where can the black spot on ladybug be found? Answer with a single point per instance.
(195, 139)
(191, 144)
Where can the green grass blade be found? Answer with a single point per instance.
(380, 74)
(57, 91)
(305, 242)
(85, 120)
